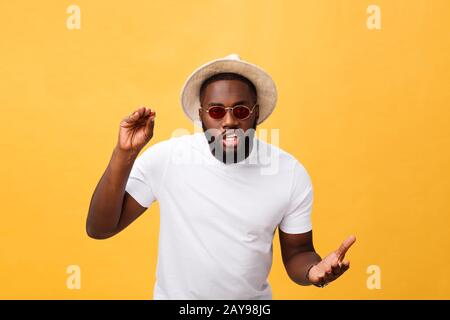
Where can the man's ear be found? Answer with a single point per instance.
(257, 112)
(200, 113)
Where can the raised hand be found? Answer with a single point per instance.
(332, 266)
(136, 130)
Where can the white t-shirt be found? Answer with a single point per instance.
(217, 220)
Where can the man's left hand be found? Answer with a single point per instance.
(332, 266)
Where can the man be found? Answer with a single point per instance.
(219, 208)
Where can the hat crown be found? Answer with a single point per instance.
(233, 56)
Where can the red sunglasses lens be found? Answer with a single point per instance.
(241, 112)
(217, 112)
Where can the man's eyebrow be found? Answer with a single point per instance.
(222, 105)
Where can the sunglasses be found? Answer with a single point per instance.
(240, 111)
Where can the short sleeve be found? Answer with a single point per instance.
(297, 218)
(147, 173)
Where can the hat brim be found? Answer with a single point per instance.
(265, 87)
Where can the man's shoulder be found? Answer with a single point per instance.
(167, 146)
(274, 150)
(157, 150)
(184, 141)
(182, 137)
(177, 139)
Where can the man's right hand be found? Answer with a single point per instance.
(136, 130)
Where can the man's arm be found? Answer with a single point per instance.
(304, 266)
(111, 208)
(297, 251)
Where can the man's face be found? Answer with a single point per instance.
(228, 93)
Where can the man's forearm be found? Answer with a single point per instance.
(299, 264)
(106, 203)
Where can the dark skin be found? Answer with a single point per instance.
(228, 93)
(112, 209)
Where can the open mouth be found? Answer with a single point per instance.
(230, 140)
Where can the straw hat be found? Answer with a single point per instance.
(265, 87)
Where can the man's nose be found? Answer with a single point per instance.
(229, 121)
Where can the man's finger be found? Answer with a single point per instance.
(330, 277)
(150, 123)
(133, 117)
(141, 110)
(345, 246)
(336, 269)
(344, 268)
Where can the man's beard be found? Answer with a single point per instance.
(234, 155)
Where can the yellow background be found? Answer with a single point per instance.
(366, 112)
